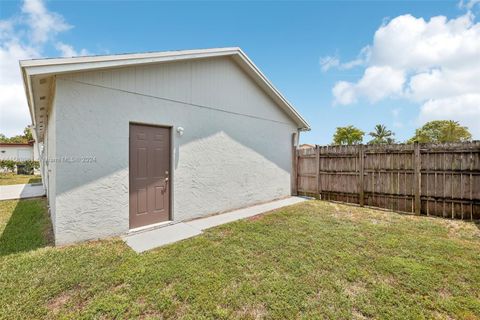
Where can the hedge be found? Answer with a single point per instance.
(11, 165)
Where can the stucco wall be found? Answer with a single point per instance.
(36, 147)
(235, 150)
(17, 153)
(49, 164)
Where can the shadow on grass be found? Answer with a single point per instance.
(35, 179)
(26, 226)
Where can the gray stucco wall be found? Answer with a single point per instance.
(235, 150)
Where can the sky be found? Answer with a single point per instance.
(361, 63)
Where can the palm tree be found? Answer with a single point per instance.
(453, 132)
(381, 135)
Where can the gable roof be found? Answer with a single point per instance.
(16, 144)
(39, 76)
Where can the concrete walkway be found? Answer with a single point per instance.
(21, 191)
(153, 238)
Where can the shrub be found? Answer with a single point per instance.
(28, 166)
(8, 165)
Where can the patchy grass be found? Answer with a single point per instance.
(11, 178)
(312, 260)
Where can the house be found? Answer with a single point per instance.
(134, 141)
(306, 146)
(18, 151)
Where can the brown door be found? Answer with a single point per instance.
(149, 175)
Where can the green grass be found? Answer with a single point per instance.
(314, 260)
(11, 178)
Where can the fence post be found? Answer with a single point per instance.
(294, 174)
(361, 164)
(417, 162)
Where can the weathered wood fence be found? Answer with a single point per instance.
(429, 179)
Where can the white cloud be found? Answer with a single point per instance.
(67, 50)
(463, 108)
(432, 62)
(468, 4)
(329, 62)
(376, 84)
(43, 23)
(380, 82)
(25, 36)
(13, 105)
(344, 93)
(415, 44)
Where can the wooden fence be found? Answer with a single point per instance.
(430, 179)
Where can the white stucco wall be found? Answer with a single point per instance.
(36, 147)
(16, 153)
(235, 150)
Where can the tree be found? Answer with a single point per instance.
(441, 131)
(348, 135)
(381, 135)
(21, 138)
(27, 133)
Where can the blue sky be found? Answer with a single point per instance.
(287, 41)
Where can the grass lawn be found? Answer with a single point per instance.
(11, 178)
(314, 260)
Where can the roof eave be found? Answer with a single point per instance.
(27, 87)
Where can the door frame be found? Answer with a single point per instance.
(171, 172)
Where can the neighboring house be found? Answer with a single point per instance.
(306, 146)
(18, 151)
(136, 140)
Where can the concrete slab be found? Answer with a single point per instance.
(213, 221)
(153, 238)
(21, 191)
(150, 239)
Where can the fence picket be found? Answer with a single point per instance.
(397, 177)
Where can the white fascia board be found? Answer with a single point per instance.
(27, 85)
(62, 65)
(116, 63)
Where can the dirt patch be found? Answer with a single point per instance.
(444, 293)
(151, 315)
(458, 228)
(58, 302)
(226, 232)
(354, 289)
(120, 287)
(388, 280)
(257, 217)
(356, 314)
(257, 311)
